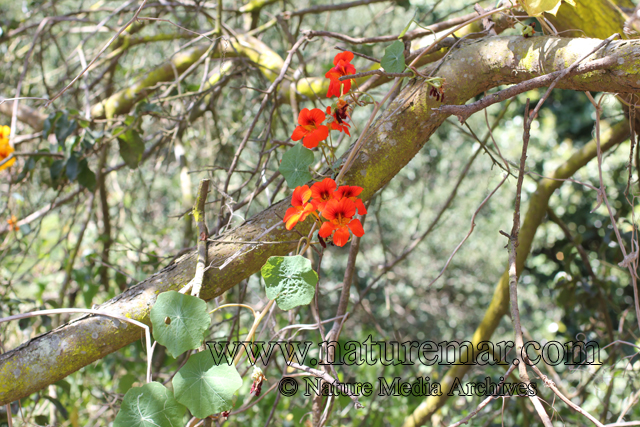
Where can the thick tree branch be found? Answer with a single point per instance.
(232, 47)
(394, 139)
(27, 115)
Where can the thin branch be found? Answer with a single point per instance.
(484, 403)
(331, 7)
(562, 397)
(631, 260)
(124, 27)
(513, 272)
(375, 72)
(473, 225)
(361, 55)
(328, 378)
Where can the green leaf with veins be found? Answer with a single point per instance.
(151, 405)
(393, 59)
(295, 165)
(179, 321)
(204, 387)
(290, 281)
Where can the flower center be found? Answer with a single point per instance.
(341, 221)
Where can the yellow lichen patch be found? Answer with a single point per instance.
(589, 18)
(538, 7)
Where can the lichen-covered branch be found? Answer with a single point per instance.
(393, 140)
(231, 47)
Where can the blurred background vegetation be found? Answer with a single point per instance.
(114, 229)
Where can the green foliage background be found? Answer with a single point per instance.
(559, 301)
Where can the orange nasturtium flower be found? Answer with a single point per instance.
(339, 214)
(301, 207)
(311, 129)
(338, 122)
(351, 192)
(322, 192)
(13, 223)
(342, 67)
(5, 148)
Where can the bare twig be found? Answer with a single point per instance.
(484, 403)
(375, 72)
(124, 27)
(328, 378)
(562, 397)
(630, 260)
(361, 55)
(473, 225)
(513, 273)
(330, 7)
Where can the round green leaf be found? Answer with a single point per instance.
(295, 165)
(393, 59)
(151, 405)
(179, 321)
(204, 387)
(290, 280)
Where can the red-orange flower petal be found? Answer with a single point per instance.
(314, 137)
(301, 195)
(356, 227)
(311, 129)
(326, 229)
(297, 214)
(362, 210)
(345, 56)
(339, 210)
(348, 191)
(291, 217)
(344, 127)
(341, 236)
(336, 124)
(342, 67)
(315, 117)
(299, 133)
(334, 87)
(322, 192)
(351, 192)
